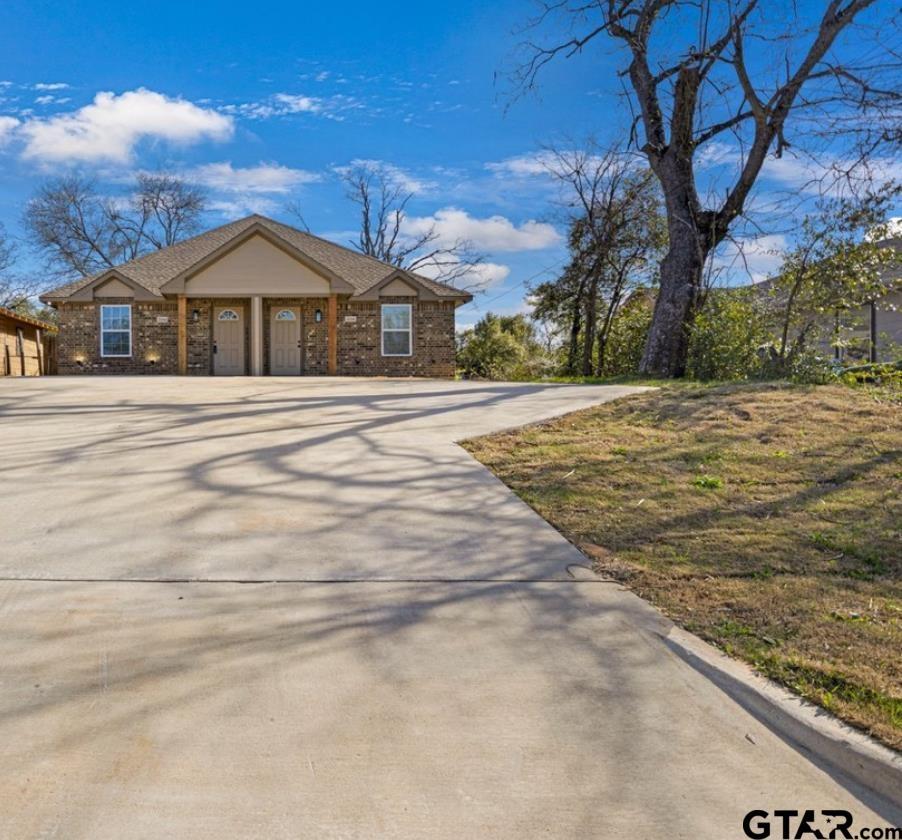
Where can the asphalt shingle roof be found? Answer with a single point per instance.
(157, 268)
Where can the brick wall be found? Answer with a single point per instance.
(360, 340)
(154, 344)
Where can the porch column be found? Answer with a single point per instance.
(332, 324)
(256, 335)
(183, 335)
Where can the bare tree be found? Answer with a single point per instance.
(15, 290)
(616, 238)
(170, 208)
(686, 95)
(383, 203)
(81, 232)
(293, 208)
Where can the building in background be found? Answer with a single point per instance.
(27, 345)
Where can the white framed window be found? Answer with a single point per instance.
(286, 315)
(116, 330)
(397, 332)
(229, 315)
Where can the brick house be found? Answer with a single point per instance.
(256, 297)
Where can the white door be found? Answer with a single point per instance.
(228, 341)
(285, 341)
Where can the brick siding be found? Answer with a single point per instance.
(155, 345)
(360, 340)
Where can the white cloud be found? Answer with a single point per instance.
(282, 104)
(715, 153)
(756, 257)
(394, 175)
(7, 126)
(49, 99)
(299, 104)
(51, 86)
(111, 126)
(816, 176)
(801, 172)
(541, 170)
(481, 276)
(495, 233)
(244, 205)
(257, 180)
(523, 165)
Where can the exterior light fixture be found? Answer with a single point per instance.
(195, 315)
(318, 315)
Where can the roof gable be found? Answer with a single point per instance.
(88, 289)
(256, 233)
(164, 271)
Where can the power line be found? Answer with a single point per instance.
(523, 282)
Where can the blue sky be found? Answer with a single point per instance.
(265, 109)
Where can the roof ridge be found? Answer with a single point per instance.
(333, 243)
(179, 244)
(153, 270)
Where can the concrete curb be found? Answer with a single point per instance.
(844, 750)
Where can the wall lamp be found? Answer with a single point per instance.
(318, 316)
(195, 315)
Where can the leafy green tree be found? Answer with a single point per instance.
(627, 335)
(501, 347)
(729, 336)
(837, 264)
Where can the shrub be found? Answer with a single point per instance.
(729, 337)
(501, 347)
(626, 339)
(886, 374)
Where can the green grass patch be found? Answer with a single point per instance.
(764, 517)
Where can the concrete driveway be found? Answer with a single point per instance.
(264, 608)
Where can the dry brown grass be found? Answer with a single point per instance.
(765, 518)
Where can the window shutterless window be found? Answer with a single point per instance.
(116, 330)
(397, 336)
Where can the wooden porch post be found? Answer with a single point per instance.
(332, 323)
(183, 335)
(39, 349)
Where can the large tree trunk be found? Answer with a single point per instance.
(667, 346)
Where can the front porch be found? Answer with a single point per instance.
(275, 335)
